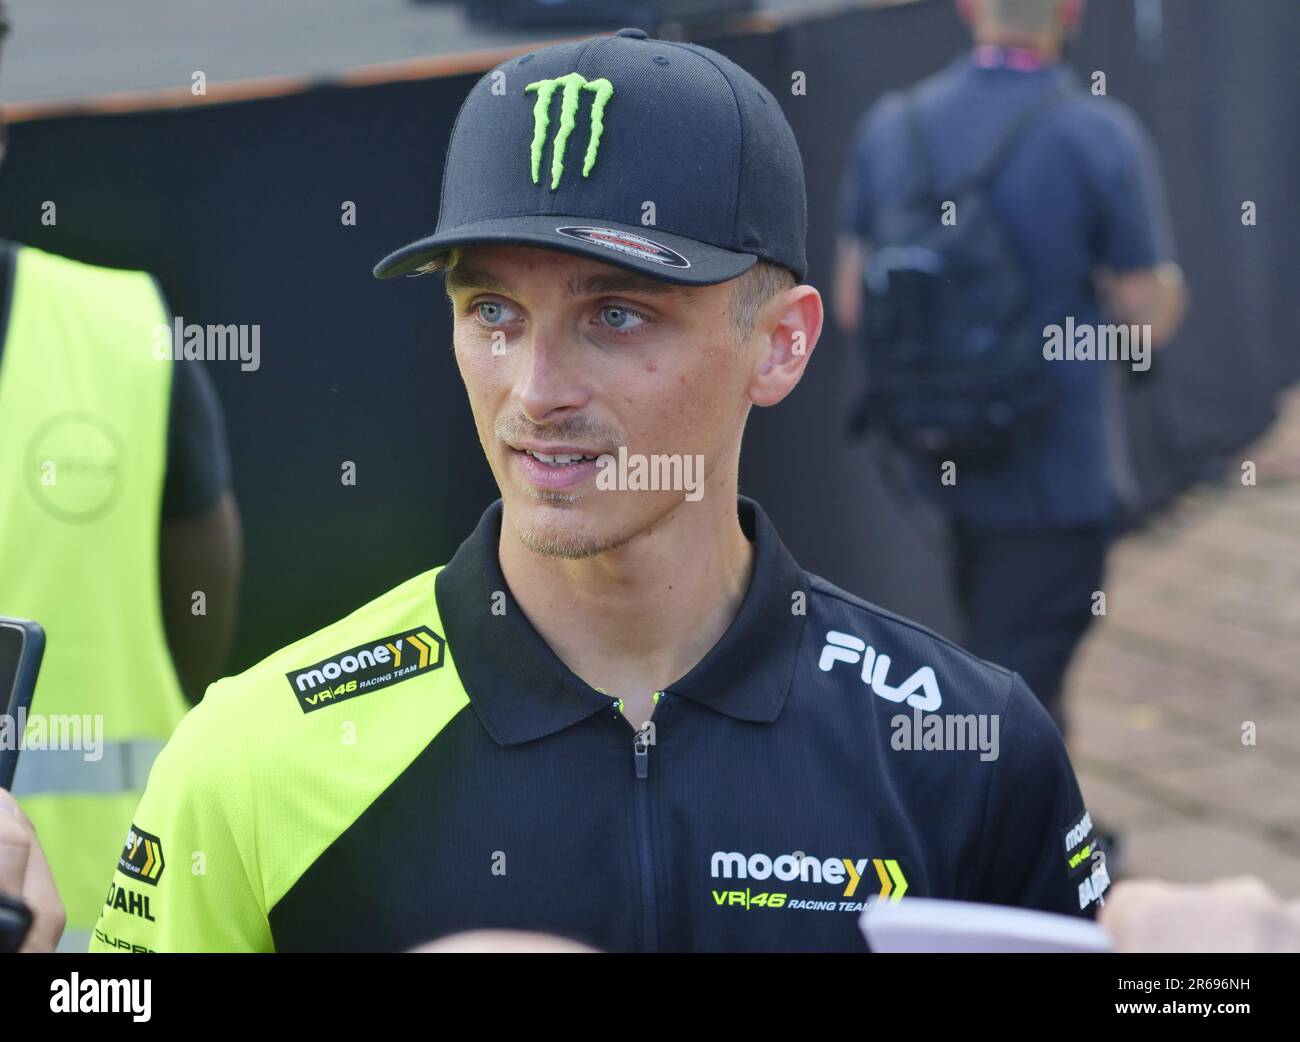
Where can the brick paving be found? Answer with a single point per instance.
(1201, 637)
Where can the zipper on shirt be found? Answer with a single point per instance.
(641, 751)
(641, 764)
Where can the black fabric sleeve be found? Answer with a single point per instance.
(198, 459)
(1038, 849)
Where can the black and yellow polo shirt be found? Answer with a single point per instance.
(428, 765)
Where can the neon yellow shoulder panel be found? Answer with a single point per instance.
(271, 768)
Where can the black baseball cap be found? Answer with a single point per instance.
(662, 157)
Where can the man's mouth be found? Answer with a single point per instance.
(556, 466)
(559, 459)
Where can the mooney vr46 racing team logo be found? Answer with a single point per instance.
(367, 667)
(801, 868)
(141, 857)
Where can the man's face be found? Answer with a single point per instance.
(565, 356)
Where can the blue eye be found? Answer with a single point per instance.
(490, 311)
(621, 319)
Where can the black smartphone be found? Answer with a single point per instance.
(22, 644)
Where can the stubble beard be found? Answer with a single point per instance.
(547, 542)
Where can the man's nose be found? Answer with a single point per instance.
(549, 382)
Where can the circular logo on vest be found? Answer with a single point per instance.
(74, 466)
(626, 242)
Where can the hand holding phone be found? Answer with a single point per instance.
(31, 914)
(22, 645)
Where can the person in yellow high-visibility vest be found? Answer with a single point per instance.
(115, 516)
(119, 534)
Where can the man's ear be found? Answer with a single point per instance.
(968, 10)
(788, 328)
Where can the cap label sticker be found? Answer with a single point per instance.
(626, 242)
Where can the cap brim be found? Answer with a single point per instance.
(649, 251)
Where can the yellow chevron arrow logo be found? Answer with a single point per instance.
(900, 881)
(893, 884)
(886, 885)
(422, 648)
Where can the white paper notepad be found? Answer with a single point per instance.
(921, 924)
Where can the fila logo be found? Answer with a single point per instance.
(920, 690)
(574, 84)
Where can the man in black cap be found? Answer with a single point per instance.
(622, 712)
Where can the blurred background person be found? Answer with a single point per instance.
(118, 533)
(1057, 200)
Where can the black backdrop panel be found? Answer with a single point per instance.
(238, 209)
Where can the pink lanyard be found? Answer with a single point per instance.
(1021, 59)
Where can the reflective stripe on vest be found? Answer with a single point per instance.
(74, 941)
(121, 767)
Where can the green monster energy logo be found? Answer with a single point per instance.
(574, 84)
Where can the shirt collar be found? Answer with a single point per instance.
(522, 691)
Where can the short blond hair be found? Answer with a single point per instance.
(440, 262)
(752, 290)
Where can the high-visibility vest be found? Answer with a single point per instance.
(84, 403)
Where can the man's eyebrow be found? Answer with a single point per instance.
(466, 276)
(597, 283)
